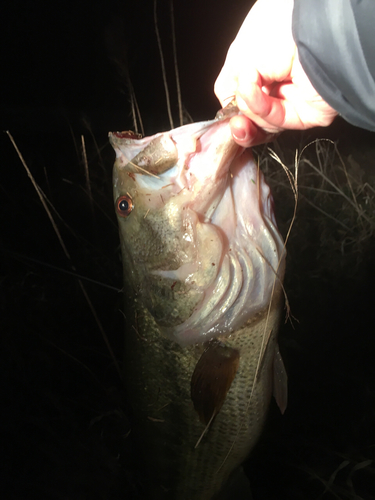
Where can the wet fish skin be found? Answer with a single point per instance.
(160, 247)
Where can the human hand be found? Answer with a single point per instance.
(263, 73)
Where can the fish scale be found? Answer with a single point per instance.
(166, 426)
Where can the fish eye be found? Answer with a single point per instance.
(124, 205)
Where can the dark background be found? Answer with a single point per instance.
(66, 426)
(58, 60)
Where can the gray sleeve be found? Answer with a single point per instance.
(336, 47)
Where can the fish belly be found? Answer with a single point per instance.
(166, 428)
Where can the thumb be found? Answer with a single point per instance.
(225, 86)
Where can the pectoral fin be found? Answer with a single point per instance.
(212, 378)
(280, 381)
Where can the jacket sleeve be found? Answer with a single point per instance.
(336, 47)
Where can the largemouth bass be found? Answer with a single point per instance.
(203, 266)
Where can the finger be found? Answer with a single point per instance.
(266, 112)
(246, 133)
(312, 109)
(287, 106)
(254, 101)
(225, 85)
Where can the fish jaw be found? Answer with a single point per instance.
(200, 247)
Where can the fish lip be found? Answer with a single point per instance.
(130, 136)
(125, 142)
(126, 134)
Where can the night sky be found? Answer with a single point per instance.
(58, 61)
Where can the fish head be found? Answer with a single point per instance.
(188, 202)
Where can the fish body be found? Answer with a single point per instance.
(203, 265)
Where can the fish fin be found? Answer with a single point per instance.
(280, 381)
(213, 375)
(237, 487)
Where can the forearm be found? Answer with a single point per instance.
(335, 44)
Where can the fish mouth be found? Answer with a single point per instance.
(244, 264)
(230, 251)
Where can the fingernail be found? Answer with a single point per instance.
(239, 134)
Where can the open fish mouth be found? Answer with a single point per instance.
(197, 228)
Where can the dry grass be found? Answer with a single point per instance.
(337, 190)
(330, 268)
(322, 448)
